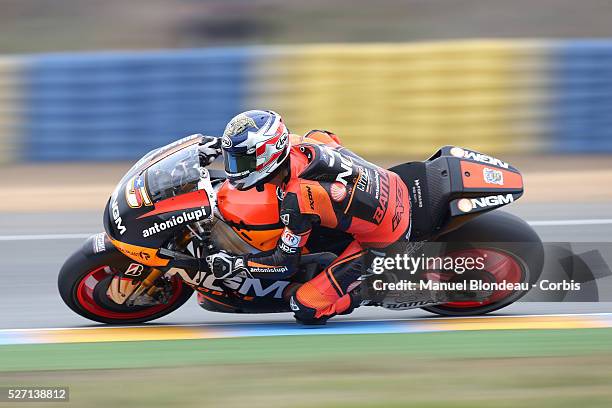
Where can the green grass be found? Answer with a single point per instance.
(531, 368)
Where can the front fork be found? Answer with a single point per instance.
(126, 290)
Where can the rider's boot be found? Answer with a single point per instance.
(311, 316)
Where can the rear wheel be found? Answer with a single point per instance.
(85, 277)
(513, 253)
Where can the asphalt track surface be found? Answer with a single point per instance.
(33, 247)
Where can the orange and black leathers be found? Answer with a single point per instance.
(328, 185)
(355, 196)
(283, 261)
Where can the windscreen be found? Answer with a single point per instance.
(176, 174)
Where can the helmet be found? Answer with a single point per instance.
(255, 144)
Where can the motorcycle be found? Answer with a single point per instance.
(170, 205)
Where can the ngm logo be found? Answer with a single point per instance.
(469, 204)
(479, 157)
(492, 201)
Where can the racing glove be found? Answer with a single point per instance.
(224, 265)
(221, 264)
(210, 149)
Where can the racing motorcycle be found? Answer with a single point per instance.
(169, 204)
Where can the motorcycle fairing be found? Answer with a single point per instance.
(452, 186)
(252, 214)
(142, 254)
(157, 201)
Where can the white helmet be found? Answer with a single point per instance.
(255, 144)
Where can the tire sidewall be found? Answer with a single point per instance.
(85, 260)
(502, 232)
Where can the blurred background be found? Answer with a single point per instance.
(85, 80)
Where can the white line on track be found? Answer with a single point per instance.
(554, 223)
(543, 223)
(43, 237)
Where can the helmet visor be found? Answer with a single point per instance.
(238, 165)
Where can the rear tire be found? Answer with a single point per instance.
(505, 235)
(85, 276)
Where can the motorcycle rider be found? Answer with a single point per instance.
(323, 184)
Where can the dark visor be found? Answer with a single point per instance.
(238, 165)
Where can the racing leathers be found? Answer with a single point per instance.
(330, 186)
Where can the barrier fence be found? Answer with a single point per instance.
(382, 99)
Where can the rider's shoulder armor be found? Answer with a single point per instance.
(325, 137)
(324, 163)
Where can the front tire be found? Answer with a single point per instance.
(86, 275)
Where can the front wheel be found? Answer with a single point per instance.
(85, 277)
(513, 253)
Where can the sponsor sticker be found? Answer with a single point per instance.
(272, 269)
(134, 270)
(117, 215)
(98, 243)
(338, 191)
(479, 157)
(226, 142)
(492, 201)
(311, 201)
(136, 193)
(399, 207)
(290, 239)
(469, 204)
(417, 194)
(383, 198)
(176, 220)
(286, 248)
(492, 176)
(134, 253)
(280, 144)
